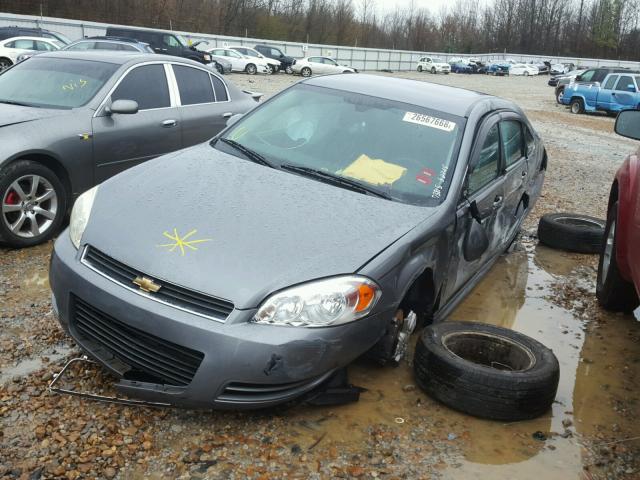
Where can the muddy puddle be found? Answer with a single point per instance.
(517, 294)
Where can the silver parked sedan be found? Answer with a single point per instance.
(70, 120)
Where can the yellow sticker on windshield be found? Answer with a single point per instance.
(374, 171)
(429, 121)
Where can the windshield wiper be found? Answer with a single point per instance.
(329, 177)
(247, 152)
(20, 104)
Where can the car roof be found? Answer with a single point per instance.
(116, 57)
(456, 101)
(24, 37)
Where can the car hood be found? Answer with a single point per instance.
(257, 229)
(14, 114)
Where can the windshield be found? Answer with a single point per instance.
(400, 150)
(54, 82)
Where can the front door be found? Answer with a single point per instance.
(122, 141)
(485, 186)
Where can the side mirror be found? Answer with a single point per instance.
(578, 78)
(234, 118)
(628, 124)
(122, 107)
(476, 241)
(631, 87)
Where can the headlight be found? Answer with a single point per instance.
(80, 215)
(321, 303)
(207, 58)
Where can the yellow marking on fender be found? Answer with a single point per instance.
(183, 242)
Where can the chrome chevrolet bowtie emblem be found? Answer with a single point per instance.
(146, 284)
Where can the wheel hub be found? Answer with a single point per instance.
(29, 206)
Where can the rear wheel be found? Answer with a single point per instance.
(5, 63)
(220, 69)
(33, 204)
(577, 106)
(433, 70)
(251, 69)
(288, 70)
(526, 74)
(613, 291)
(419, 68)
(305, 72)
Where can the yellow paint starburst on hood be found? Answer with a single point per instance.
(182, 242)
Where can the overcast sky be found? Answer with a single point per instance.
(385, 6)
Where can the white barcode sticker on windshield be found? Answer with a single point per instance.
(429, 121)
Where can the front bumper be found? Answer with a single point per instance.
(243, 365)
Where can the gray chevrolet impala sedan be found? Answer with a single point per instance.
(70, 120)
(323, 225)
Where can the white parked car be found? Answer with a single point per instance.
(274, 65)
(318, 65)
(523, 69)
(433, 65)
(240, 62)
(12, 48)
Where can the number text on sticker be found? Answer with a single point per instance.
(429, 121)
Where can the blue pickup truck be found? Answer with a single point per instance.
(616, 92)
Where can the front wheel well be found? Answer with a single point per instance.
(421, 296)
(54, 165)
(613, 195)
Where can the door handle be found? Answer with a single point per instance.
(524, 173)
(498, 201)
(227, 115)
(169, 123)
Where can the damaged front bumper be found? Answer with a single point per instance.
(166, 355)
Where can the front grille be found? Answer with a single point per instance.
(165, 362)
(170, 294)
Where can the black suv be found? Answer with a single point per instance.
(166, 43)
(276, 54)
(592, 75)
(15, 31)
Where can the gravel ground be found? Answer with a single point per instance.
(395, 431)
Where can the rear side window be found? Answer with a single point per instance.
(511, 133)
(487, 168)
(26, 44)
(610, 81)
(625, 83)
(194, 85)
(220, 89)
(44, 46)
(147, 85)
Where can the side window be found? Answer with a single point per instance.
(610, 81)
(10, 45)
(127, 48)
(147, 85)
(219, 88)
(170, 41)
(487, 168)
(315, 60)
(194, 85)
(511, 134)
(218, 52)
(231, 53)
(624, 83)
(26, 44)
(531, 142)
(275, 53)
(82, 46)
(43, 46)
(587, 76)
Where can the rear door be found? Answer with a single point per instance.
(122, 141)
(484, 185)
(202, 117)
(516, 171)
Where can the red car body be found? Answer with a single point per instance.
(626, 191)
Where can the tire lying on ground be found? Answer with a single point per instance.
(572, 232)
(486, 371)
